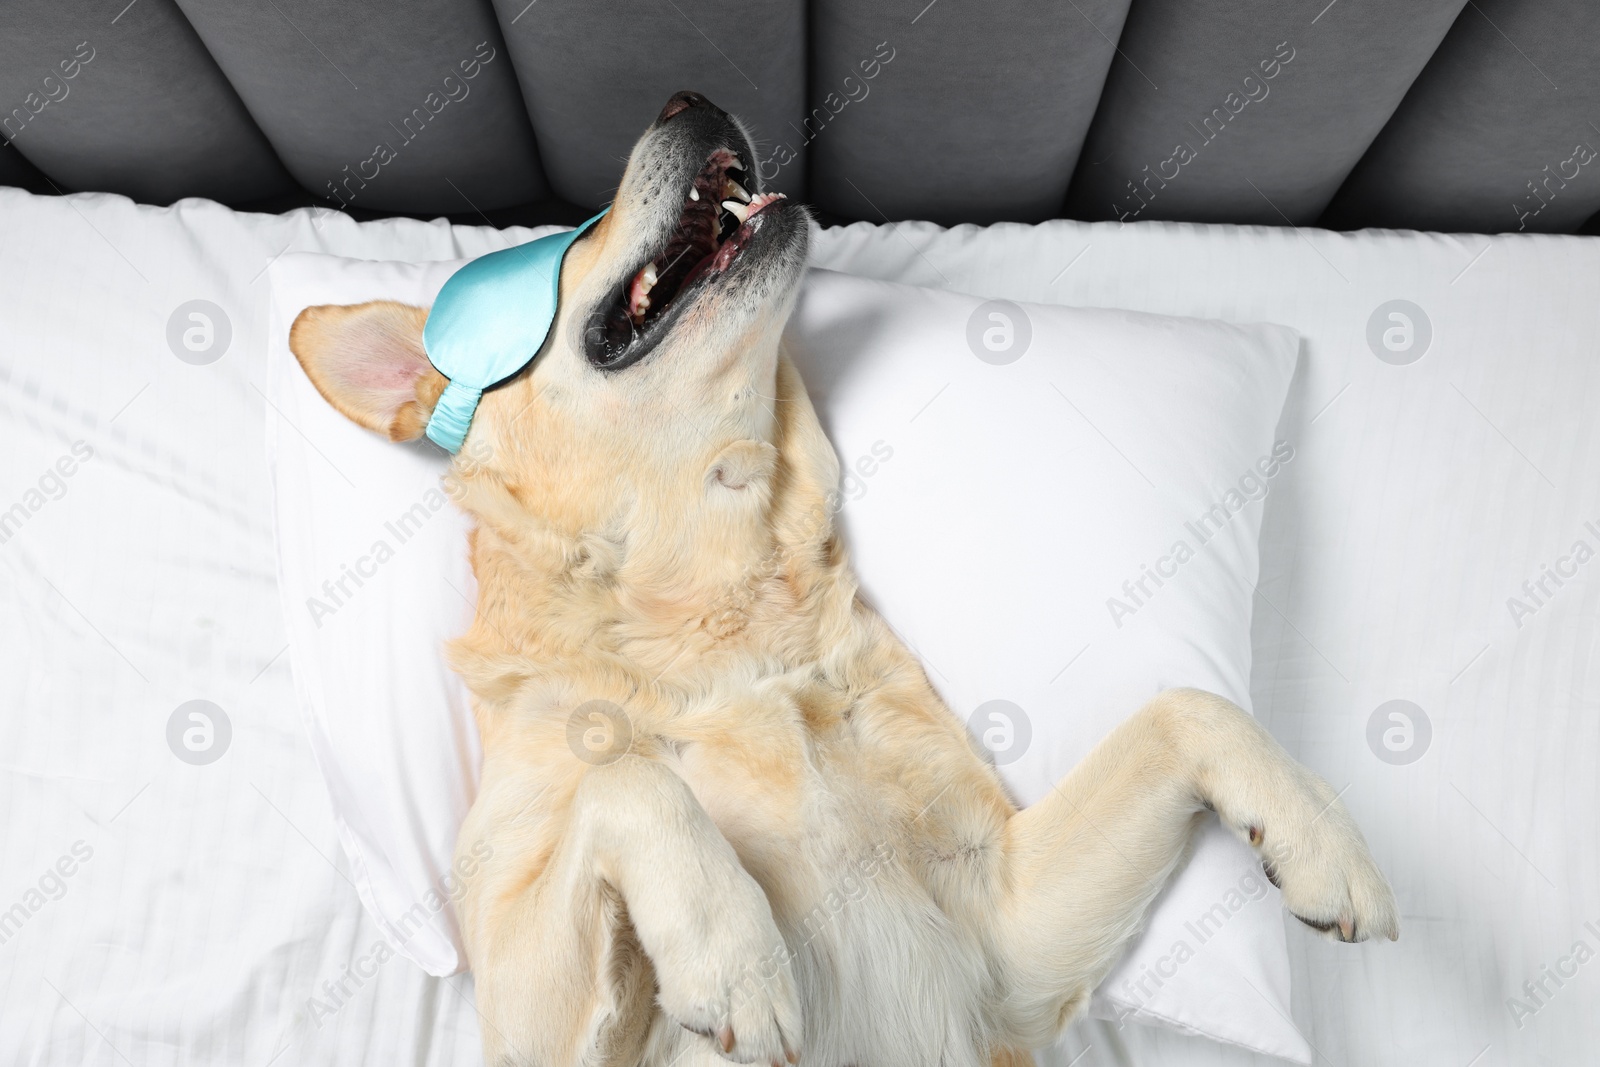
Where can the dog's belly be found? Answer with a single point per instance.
(886, 977)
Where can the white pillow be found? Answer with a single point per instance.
(1018, 482)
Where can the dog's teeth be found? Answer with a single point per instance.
(694, 194)
(736, 209)
(649, 275)
(737, 191)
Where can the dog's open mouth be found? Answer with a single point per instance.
(718, 218)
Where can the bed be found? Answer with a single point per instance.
(209, 916)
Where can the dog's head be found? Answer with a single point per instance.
(658, 401)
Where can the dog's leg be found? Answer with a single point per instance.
(1081, 867)
(639, 866)
(561, 979)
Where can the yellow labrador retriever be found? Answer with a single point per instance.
(730, 818)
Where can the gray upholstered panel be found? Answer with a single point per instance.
(939, 109)
(1248, 112)
(370, 102)
(594, 74)
(148, 115)
(16, 170)
(978, 116)
(1493, 135)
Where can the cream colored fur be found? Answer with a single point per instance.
(800, 852)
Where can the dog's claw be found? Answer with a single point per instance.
(724, 1037)
(1346, 927)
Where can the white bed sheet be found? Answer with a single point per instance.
(212, 922)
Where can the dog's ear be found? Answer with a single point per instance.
(367, 360)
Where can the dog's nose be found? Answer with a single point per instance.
(682, 102)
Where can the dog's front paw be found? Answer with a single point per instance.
(725, 974)
(1315, 854)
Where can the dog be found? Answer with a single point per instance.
(727, 817)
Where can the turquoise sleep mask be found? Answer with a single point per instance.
(488, 322)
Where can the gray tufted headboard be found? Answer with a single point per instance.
(1476, 115)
